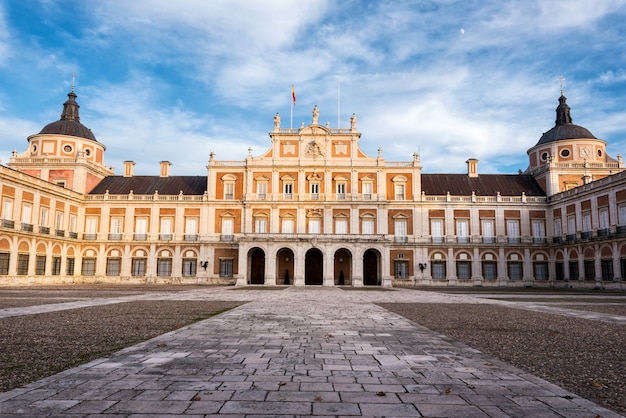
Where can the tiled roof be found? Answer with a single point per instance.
(483, 185)
(189, 185)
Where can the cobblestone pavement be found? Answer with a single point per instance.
(297, 352)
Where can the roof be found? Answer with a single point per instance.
(563, 126)
(189, 185)
(483, 185)
(69, 124)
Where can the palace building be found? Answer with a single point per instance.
(313, 209)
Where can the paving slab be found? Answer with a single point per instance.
(310, 351)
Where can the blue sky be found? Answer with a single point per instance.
(164, 80)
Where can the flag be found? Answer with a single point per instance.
(293, 95)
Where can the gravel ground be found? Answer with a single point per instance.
(585, 357)
(40, 345)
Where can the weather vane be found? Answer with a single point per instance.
(73, 81)
(561, 79)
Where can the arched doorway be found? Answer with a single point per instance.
(371, 268)
(314, 267)
(284, 266)
(257, 266)
(343, 268)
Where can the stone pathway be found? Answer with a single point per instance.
(297, 352)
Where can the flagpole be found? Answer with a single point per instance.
(291, 102)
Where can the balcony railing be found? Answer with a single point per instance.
(90, 237)
(115, 237)
(44, 230)
(59, 233)
(8, 224)
(27, 227)
(140, 237)
(227, 238)
(191, 237)
(165, 237)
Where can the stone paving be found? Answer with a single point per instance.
(296, 352)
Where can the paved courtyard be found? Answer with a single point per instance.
(298, 352)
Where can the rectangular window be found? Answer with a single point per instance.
(539, 232)
(115, 230)
(367, 191)
(114, 266)
(89, 267)
(261, 190)
(229, 191)
(7, 208)
(436, 230)
(488, 231)
(70, 262)
(462, 231)
(287, 226)
(559, 269)
(43, 217)
(622, 214)
(59, 221)
(438, 269)
(399, 189)
(22, 264)
(558, 230)
(260, 225)
(603, 214)
(400, 230)
(571, 225)
(590, 269)
(341, 226)
(138, 267)
(91, 228)
(607, 269)
(226, 267)
(165, 229)
(73, 220)
(367, 226)
(228, 227)
(288, 191)
(164, 267)
(586, 221)
(189, 267)
(464, 270)
(541, 271)
(401, 269)
(4, 264)
(27, 211)
(315, 191)
(141, 229)
(490, 270)
(512, 229)
(191, 229)
(314, 226)
(56, 266)
(341, 191)
(574, 273)
(40, 265)
(515, 270)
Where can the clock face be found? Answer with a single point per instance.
(585, 152)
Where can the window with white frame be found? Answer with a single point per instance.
(539, 231)
(462, 230)
(341, 190)
(91, 227)
(571, 225)
(436, 230)
(341, 225)
(73, 222)
(191, 228)
(287, 226)
(229, 190)
(400, 229)
(622, 214)
(399, 191)
(165, 229)
(189, 267)
(164, 266)
(43, 216)
(314, 225)
(367, 190)
(7, 208)
(287, 190)
(401, 269)
(488, 230)
(603, 215)
(138, 266)
(27, 212)
(228, 227)
(512, 230)
(141, 228)
(315, 190)
(586, 221)
(260, 224)
(115, 227)
(89, 266)
(261, 190)
(558, 229)
(59, 221)
(114, 266)
(367, 226)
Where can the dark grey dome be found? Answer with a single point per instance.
(564, 128)
(69, 124)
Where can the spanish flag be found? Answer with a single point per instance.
(293, 95)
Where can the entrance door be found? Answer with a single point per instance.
(314, 267)
(257, 266)
(370, 268)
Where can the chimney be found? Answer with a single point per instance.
(165, 168)
(129, 168)
(472, 167)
